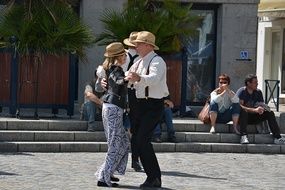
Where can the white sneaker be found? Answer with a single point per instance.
(279, 141)
(212, 130)
(244, 140)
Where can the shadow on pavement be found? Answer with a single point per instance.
(7, 173)
(136, 187)
(181, 174)
(16, 154)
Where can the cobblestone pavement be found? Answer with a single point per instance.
(183, 171)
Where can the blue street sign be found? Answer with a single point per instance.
(244, 54)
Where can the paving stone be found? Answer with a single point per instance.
(79, 147)
(229, 138)
(189, 171)
(263, 139)
(54, 136)
(38, 147)
(230, 148)
(17, 136)
(98, 136)
(193, 147)
(202, 137)
(66, 125)
(264, 148)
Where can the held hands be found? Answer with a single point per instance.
(132, 77)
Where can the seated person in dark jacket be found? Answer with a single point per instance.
(255, 111)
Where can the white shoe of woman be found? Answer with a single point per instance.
(212, 130)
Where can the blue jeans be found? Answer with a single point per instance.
(227, 115)
(167, 118)
(89, 112)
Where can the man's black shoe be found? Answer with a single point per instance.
(136, 165)
(151, 183)
(103, 184)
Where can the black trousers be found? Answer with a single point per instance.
(149, 113)
(132, 114)
(255, 118)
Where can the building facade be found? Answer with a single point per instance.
(271, 46)
(227, 43)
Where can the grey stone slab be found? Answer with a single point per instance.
(3, 125)
(8, 147)
(54, 136)
(263, 139)
(67, 125)
(229, 138)
(103, 146)
(17, 136)
(229, 148)
(98, 136)
(193, 147)
(282, 149)
(164, 147)
(264, 148)
(184, 127)
(202, 128)
(38, 147)
(27, 125)
(79, 147)
(202, 137)
(222, 128)
(180, 136)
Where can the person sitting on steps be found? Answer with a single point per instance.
(91, 103)
(224, 104)
(254, 110)
(168, 119)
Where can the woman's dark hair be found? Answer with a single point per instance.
(225, 77)
(249, 78)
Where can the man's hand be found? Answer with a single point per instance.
(133, 77)
(259, 110)
(169, 103)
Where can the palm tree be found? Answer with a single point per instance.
(44, 26)
(169, 20)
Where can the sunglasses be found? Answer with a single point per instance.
(222, 82)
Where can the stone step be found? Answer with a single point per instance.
(180, 125)
(99, 136)
(159, 147)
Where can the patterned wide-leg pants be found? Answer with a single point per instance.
(118, 144)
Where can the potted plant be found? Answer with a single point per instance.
(43, 33)
(168, 20)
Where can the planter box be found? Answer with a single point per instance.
(26, 83)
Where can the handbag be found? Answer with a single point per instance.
(204, 114)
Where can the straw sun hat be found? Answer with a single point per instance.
(146, 37)
(130, 41)
(114, 49)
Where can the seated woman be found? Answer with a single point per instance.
(224, 104)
